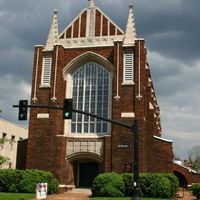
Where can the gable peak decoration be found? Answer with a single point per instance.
(91, 4)
(130, 34)
(91, 28)
(53, 33)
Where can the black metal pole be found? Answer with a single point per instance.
(81, 112)
(104, 119)
(136, 186)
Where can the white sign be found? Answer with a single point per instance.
(41, 191)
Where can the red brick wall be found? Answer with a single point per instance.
(21, 154)
(47, 151)
(97, 23)
(83, 24)
(189, 175)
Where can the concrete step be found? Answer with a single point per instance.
(86, 191)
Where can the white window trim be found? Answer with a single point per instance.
(128, 82)
(46, 83)
(67, 123)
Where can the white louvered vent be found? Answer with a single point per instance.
(46, 71)
(128, 68)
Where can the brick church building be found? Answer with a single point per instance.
(104, 69)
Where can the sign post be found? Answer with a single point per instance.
(136, 186)
(41, 191)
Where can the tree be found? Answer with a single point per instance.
(5, 159)
(194, 157)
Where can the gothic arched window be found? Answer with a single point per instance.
(90, 93)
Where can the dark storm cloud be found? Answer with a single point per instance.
(12, 89)
(18, 62)
(170, 27)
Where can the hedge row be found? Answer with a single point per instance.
(195, 188)
(25, 181)
(151, 185)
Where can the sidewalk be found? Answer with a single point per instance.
(184, 195)
(76, 194)
(84, 194)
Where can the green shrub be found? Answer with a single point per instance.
(160, 187)
(195, 188)
(145, 183)
(151, 185)
(53, 186)
(25, 181)
(128, 182)
(155, 185)
(173, 182)
(108, 185)
(29, 180)
(9, 178)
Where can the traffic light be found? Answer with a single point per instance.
(23, 110)
(67, 109)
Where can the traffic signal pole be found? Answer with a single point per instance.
(22, 110)
(80, 112)
(135, 130)
(136, 186)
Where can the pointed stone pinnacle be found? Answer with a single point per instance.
(55, 11)
(53, 32)
(130, 34)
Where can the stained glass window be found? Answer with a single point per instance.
(90, 94)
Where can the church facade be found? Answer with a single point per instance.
(105, 71)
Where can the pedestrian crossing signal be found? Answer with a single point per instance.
(23, 110)
(67, 109)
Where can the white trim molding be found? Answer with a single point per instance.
(163, 139)
(43, 116)
(127, 115)
(151, 107)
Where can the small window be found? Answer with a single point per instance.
(128, 68)
(46, 71)
(4, 135)
(12, 137)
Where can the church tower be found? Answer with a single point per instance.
(105, 71)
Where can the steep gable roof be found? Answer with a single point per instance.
(91, 22)
(91, 28)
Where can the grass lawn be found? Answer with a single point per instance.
(15, 196)
(122, 198)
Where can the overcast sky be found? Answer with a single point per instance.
(172, 33)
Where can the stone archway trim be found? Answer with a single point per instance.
(84, 58)
(84, 155)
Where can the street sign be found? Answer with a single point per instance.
(124, 145)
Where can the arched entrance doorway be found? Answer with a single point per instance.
(85, 172)
(86, 166)
(181, 178)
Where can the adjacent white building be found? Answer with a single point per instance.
(10, 133)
